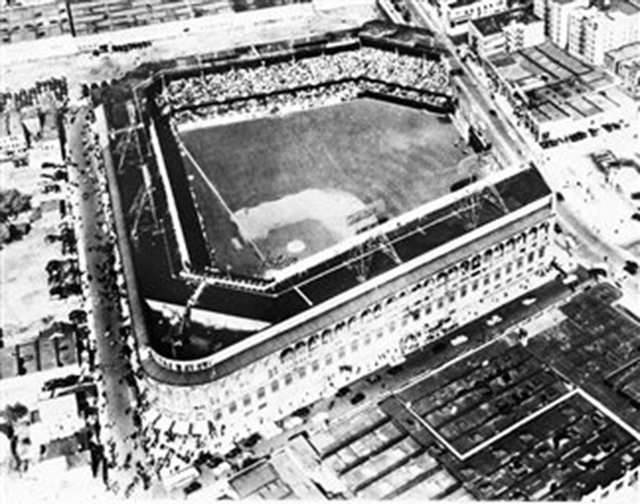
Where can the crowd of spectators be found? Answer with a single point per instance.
(243, 82)
(48, 89)
(299, 99)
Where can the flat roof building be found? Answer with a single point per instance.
(505, 32)
(558, 94)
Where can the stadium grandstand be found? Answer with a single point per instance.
(278, 249)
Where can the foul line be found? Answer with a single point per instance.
(214, 190)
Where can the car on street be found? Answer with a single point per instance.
(459, 340)
(528, 301)
(192, 487)
(358, 398)
(292, 422)
(301, 412)
(631, 267)
(343, 392)
(494, 320)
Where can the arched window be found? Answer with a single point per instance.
(313, 342)
(441, 278)
(351, 322)
(533, 233)
(300, 348)
(366, 314)
(377, 309)
(544, 227)
(415, 287)
(389, 300)
(511, 244)
(464, 266)
(475, 262)
(340, 326)
(286, 355)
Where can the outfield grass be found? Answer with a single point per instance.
(374, 151)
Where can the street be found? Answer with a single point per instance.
(116, 398)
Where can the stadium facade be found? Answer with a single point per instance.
(266, 346)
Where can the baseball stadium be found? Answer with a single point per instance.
(296, 216)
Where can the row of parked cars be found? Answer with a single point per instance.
(579, 135)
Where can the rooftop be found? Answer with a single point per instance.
(494, 24)
(629, 51)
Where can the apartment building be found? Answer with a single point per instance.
(595, 30)
(505, 32)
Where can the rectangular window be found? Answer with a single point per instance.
(380, 334)
(531, 257)
(217, 415)
(246, 401)
(427, 309)
(463, 291)
(452, 297)
(520, 262)
(474, 285)
(341, 353)
(487, 279)
(328, 360)
(508, 268)
(497, 275)
(233, 407)
(541, 252)
(275, 386)
(261, 393)
(354, 346)
(367, 339)
(302, 372)
(440, 303)
(288, 379)
(315, 365)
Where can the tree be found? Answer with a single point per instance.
(12, 203)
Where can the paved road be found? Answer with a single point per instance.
(478, 98)
(116, 423)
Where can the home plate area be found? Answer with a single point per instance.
(298, 225)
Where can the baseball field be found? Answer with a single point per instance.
(273, 190)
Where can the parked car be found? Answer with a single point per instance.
(192, 487)
(358, 398)
(459, 340)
